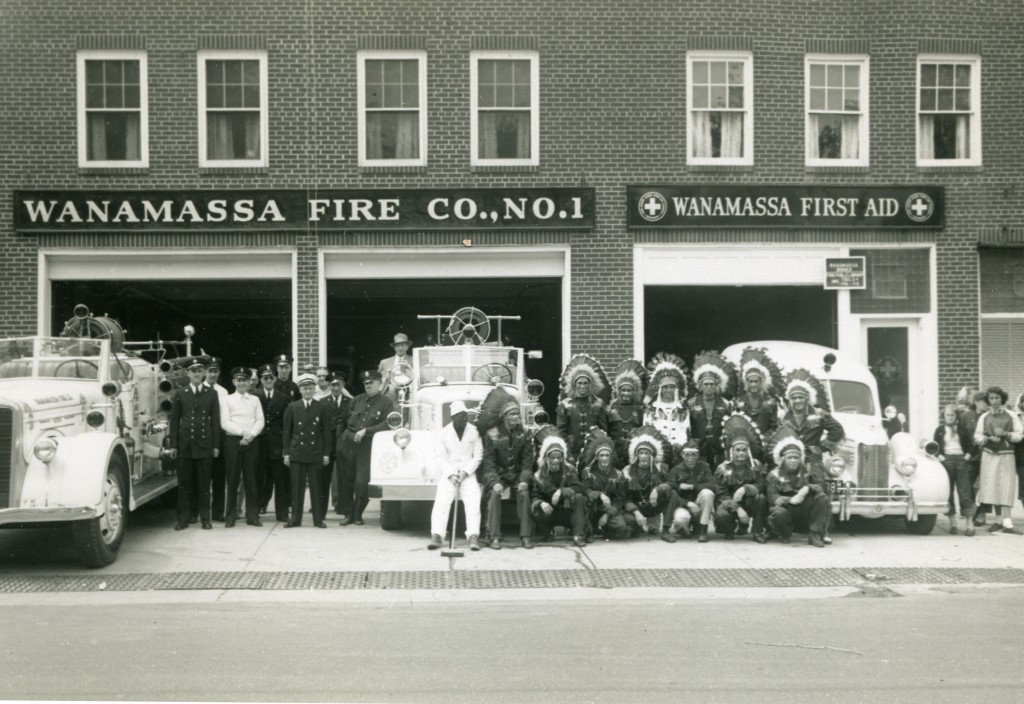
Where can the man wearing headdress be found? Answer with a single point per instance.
(794, 499)
(604, 486)
(714, 376)
(665, 402)
(740, 482)
(507, 464)
(808, 416)
(694, 482)
(581, 407)
(650, 501)
(761, 379)
(557, 496)
(626, 412)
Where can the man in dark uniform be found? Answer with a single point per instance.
(581, 408)
(337, 405)
(284, 372)
(274, 479)
(507, 464)
(218, 477)
(367, 416)
(194, 434)
(306, 442)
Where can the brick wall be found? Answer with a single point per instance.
(612, 113)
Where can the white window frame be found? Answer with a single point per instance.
(747, 58)
(421, 57)
(864, 62)
(207, 55)
(83, 123)
(474, 127)
(975, 110)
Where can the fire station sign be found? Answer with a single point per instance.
(845, 273)
(785, 206)
(394, 209)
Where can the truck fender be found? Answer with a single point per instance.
(930, 483)
(76, 475)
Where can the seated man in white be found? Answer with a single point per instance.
(459, 452)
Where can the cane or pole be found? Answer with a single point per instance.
(451, 551)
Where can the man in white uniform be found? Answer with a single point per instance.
(459, 453)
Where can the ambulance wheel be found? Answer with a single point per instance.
(924, 525)
(97, 540)
(390, 515)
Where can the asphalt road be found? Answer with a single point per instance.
(951, 645)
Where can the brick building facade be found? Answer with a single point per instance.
(618, 104)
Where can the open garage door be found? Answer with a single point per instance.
(687, 320)
(241, 307)
(363, 312)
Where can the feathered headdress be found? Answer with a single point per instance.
(757, 361)
(740, 428)
(648, 436)
(666, 366)
(801, 380)
(714, 365)
(596, 441)
(784, 439)
(583, 365)
(632, 372)
(494, 407)
(548, 438)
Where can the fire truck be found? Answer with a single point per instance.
(83, 420)
(878, 476)
(466, 365)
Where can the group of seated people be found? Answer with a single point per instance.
(583, 474)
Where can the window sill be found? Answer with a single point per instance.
(232, 170)
(369, 170)
(720, 168)
(113, 171)
(951, 169)
(837, 169)
(505, 169)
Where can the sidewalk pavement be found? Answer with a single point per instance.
(153, 547)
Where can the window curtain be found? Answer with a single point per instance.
(232, 135)
(114, 136)
(392, 135)
(926, 146)
(723, 128)
(848, 133)
(504, 135)
(97, 137)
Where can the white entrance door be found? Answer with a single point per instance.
(892, 348)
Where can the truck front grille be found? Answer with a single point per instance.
(873, 466)
(6, 443)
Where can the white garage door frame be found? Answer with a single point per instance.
(158, 264)
(446, 263)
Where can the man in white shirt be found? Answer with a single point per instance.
(459, 453)
(241, 417)
(401, 345)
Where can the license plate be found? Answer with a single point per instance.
(833, 486)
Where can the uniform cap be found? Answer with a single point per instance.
(195, 362)
(370, 375)
(268, 369)
(215, 362)
(282, 359)
(306, 379)
(240, 371)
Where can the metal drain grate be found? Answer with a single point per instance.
(511, 579)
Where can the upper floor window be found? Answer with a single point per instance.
(837, 110)
(505, 116)
(392, 108)
(232, 108)
(112, 109)
(948, 110)
(719, 108)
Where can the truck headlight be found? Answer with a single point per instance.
(94, 419)
(402, 438)
(111, 389)
(45, 449)
(906, 466)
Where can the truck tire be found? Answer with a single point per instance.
(390, 515)
(923, 525)
(97, 540)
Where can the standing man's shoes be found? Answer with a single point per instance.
(320, 524)
(256, 523)
(495, 543)
(358, 521)
(230, 523)
(207, 525)
(346, 520)
(527, 543)
(180, 526)
(292, 524)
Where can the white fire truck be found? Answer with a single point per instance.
(83, 418)
(402, 466)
